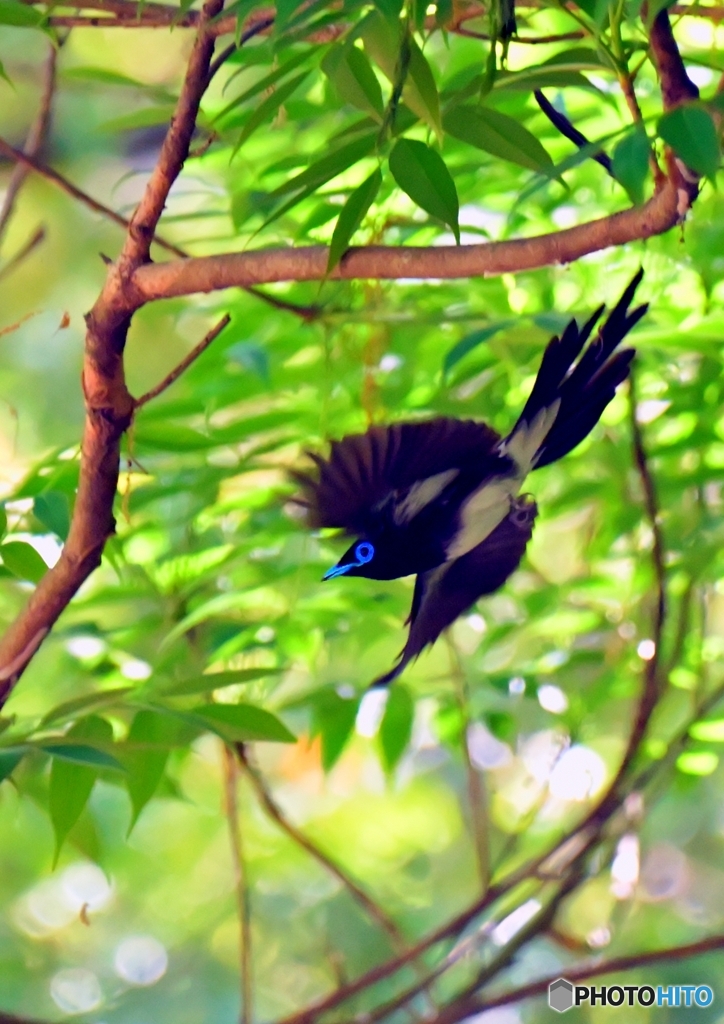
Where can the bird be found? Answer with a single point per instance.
(442, 499)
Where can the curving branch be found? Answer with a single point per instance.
(109, 405)
(309, 263)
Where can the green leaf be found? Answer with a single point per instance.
(320, 172)
(146, 117)
(544, 78)
(96, 700)
(171, 437)
(266, 110)
(631, 163)
(351, 216)
(23, 560)
(3, 521)
(383, 42)
(71, 781)
(217, 681)
(499, 135)
(263, 84)
(244, 723)
(10, 758)
(334, 719)
(328, 167)
(145, 768)
(422, 174)
(351, 73)
(82, 754)
(396, 725)
(424, 81)
(691, 133)
(470, 342)
(21, 15)
(53, 510)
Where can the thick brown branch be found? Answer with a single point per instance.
(35, 140)
(175, 148)
(109, 406)
(233, 270)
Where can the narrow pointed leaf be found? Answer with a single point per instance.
(631, 163)
(499, 135)
(351, 216)
(217, 681)
(422, 174)
(96, 700)
(351, 73)
(53, 510)
(263, 84)
(71, 782)
(266, 110)
(83, 754)
(421, 75)
(244, 723)
(334, 719)
(396, 725)
(471, 342)
(146, 767)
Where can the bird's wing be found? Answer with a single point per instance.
(444, 593)
(410, 463)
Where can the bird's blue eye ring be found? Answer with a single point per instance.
(364, 552)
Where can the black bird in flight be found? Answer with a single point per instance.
(442, 499)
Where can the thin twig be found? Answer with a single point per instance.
(241, 887)
(72, 190)
(476, 784)
(306, 313)
(35, 140)
(373, 911)
(23, 252)
(193, 355)
(613, 966)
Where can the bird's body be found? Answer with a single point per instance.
(441, 499)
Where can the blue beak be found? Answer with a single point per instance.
(337, 570)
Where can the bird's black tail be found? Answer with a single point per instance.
(567, 400)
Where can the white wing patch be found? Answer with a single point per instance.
(421, 494)
(523, 445)
(485, 509)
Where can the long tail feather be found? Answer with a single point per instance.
(569, 396)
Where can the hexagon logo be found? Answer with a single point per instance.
(560, 995)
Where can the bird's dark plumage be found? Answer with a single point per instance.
(441, 499)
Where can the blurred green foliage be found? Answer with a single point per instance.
(207, 621)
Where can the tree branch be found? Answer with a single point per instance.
(373, 911)
(109, 405)
(615, 965)
(309, 263)
(241, 887)
(193, 355)
(35, 140)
